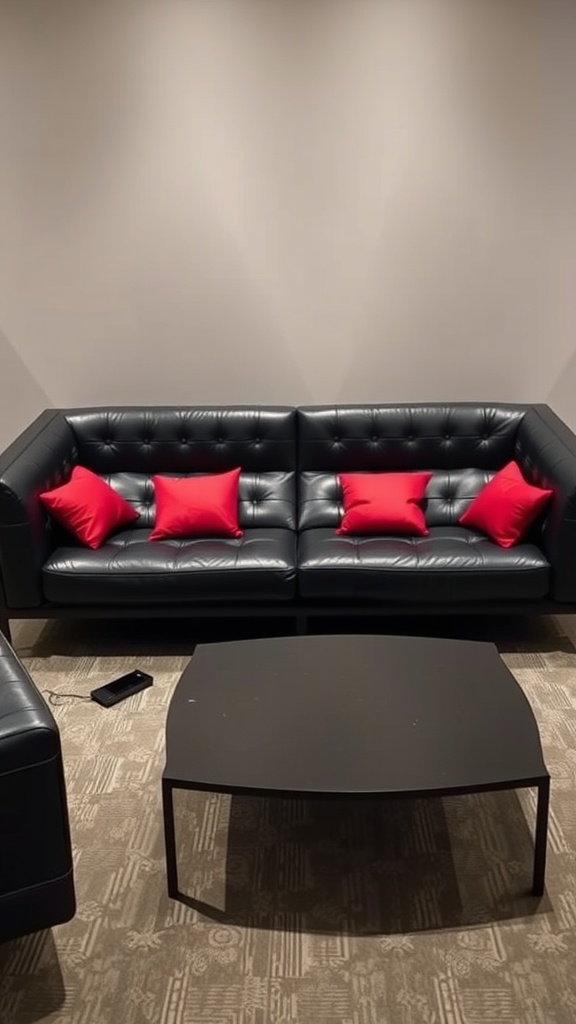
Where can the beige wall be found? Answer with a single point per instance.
(282, 201)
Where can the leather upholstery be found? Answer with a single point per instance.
(40, 458)
(355, 438)
(127, 446)
(290, 460)
(447, 496)
(546, 450)
(260, 566)
(202, 439)
(463, 445)
(36, 879)
(451, 565)
(265, 499)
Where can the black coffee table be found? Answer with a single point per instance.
(351, 716)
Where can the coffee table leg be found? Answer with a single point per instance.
(541, 837)
(170, 838)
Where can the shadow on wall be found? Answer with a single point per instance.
(66, 120)
(146, 202)
(21, 397)
(206, 310)
(279, 203)
(561, 394)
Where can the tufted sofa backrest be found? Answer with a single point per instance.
(403, 437)
(127, 446)
(201, 439)
(463, 444)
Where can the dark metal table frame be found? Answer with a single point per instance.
(541, 783)
(457, 700)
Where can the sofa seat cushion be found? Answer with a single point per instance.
(130, 569)
(450, 564)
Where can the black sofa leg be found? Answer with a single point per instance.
(5, 625)
(301, 624)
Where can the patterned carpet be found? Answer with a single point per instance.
(335, 913)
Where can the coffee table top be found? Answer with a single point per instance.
(350, 715)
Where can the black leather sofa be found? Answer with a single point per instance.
(36, 876)
(290, 561)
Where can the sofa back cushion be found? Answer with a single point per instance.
(399, 438)
(265, 499)
(448, 495)
(462, 444)
(127, 446)
(183, 440)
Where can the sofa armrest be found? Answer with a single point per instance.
(546, 451)
(40, 458)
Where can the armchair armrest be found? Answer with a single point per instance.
(546, 451)
(36, 873)
(40, 458)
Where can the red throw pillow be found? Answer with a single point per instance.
(197, 506)
(506, 506)
(383, 503)
(88, 507)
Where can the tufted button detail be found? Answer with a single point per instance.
(220, 440)
(108, 441)
(447, 437)
(183, 440)
(257, 440)
(411, 437)
(336, 440)
(375, 438)
(485, 436)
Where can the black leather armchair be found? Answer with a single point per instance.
(36, 876)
